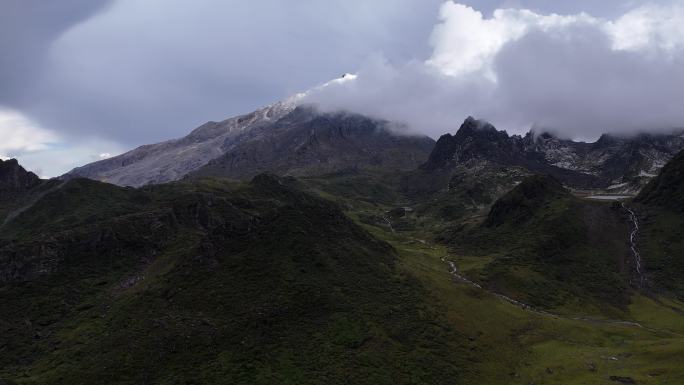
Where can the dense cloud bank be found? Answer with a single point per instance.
(576, 75)
(145, 71)
(81, 79)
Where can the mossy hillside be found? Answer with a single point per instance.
(549, 248)
(511, 345)
(355, 187)
(377, 197)
(72, 204)
(255, 283)
(573, 221)
(541, 244)
(661, 246)
(12, 205)
(172, 315)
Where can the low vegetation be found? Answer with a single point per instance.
(342, 279)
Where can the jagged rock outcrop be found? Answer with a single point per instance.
(15, 180)
(624, 164)
(474, 140)
(618, 164)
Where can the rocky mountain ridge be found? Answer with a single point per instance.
(289, 138)
(284, 138)
(615, 164)
(171, 160)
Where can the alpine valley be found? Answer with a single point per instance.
(293, 246)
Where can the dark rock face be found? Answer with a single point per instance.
(15, 180)
(479, 140)
(614, 163)
(309, 143)
(475, 139)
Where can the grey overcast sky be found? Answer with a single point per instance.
(85, 79)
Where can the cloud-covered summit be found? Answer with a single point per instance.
(577, 75)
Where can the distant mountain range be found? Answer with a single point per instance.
(292, 139)
(282, 138)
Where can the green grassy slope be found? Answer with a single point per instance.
(507, 344)
(661, 246)
(514, 346)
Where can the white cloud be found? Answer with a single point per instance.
(19, 134)
(43, 151)
(171, 65)
(649, 27)
(465, 42)
(60, 158)
(575, 74)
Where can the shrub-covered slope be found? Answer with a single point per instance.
(210, 282)
(549, 248)
(661, 213)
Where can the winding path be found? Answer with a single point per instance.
(453, 269)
